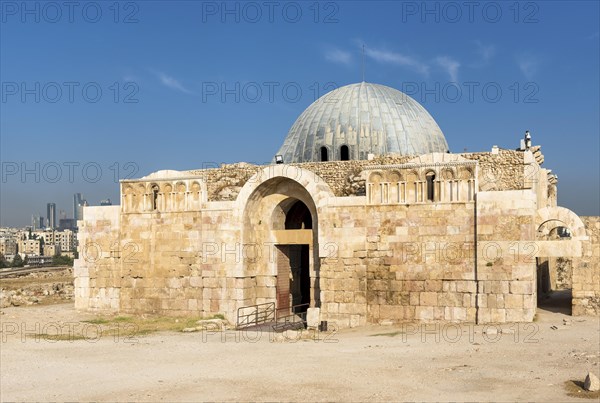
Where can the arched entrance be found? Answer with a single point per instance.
(280, 217)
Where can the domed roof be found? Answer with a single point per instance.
(365, 118)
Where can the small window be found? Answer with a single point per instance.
(344, 153)
(430, 186)
(154, 197)
(324, 156)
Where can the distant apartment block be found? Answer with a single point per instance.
(52, 250)
(29, 247)
(8, 246)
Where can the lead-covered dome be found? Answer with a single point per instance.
(356, 120)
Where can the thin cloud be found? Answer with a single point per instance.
(172, 83)
(528, 66)
(485, 52)
(450, 65)
(338, 56)
(385, 56)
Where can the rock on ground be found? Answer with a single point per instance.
(592, 383)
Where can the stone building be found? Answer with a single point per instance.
(366, 216)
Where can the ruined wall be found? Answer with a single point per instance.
(563, 268)
(96, 271)
(504, 170)
(586, 272)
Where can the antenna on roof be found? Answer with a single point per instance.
(363, 63)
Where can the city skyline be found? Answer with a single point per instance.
(42, 221)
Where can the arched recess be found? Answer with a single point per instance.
(279, 212)
(562, 217)
(560, 253)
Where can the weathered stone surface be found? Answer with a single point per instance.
(313, 317)
(210, 241)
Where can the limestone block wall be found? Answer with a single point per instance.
(435, 261)
(586, 272)
(157, 277)
(184, 263)
(397, 262)
(96, 271)
(169, 263)
(343, 262)
(506, 251)
(420, 262)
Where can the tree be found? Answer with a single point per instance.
(17, 261)
(62, 261)
(3, 262)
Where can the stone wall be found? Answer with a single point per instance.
(97, 270)
(563, 267)
(506, 256)
(586, 272)
(427, 262)
(421, 262)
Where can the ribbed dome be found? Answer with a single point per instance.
(366, 118)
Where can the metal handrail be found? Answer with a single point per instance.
(261, 313)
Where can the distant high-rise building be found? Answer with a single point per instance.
(51, 215)
(78, 203)
(37, 222)
(106, 202)
(67, 223)
(62, 215)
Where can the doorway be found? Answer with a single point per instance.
(293, 277)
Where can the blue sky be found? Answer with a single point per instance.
(93, 91)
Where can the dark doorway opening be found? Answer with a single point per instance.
(324, 156)
(293, 277)
(298, 217)
(344, 153)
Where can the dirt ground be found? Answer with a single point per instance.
(543, 361)
(50, 286)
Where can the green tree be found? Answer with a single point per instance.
(17, 261)
(62, 261)
(3, 262)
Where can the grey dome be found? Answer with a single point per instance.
(367, 118)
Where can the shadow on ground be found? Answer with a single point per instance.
(557, 301)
